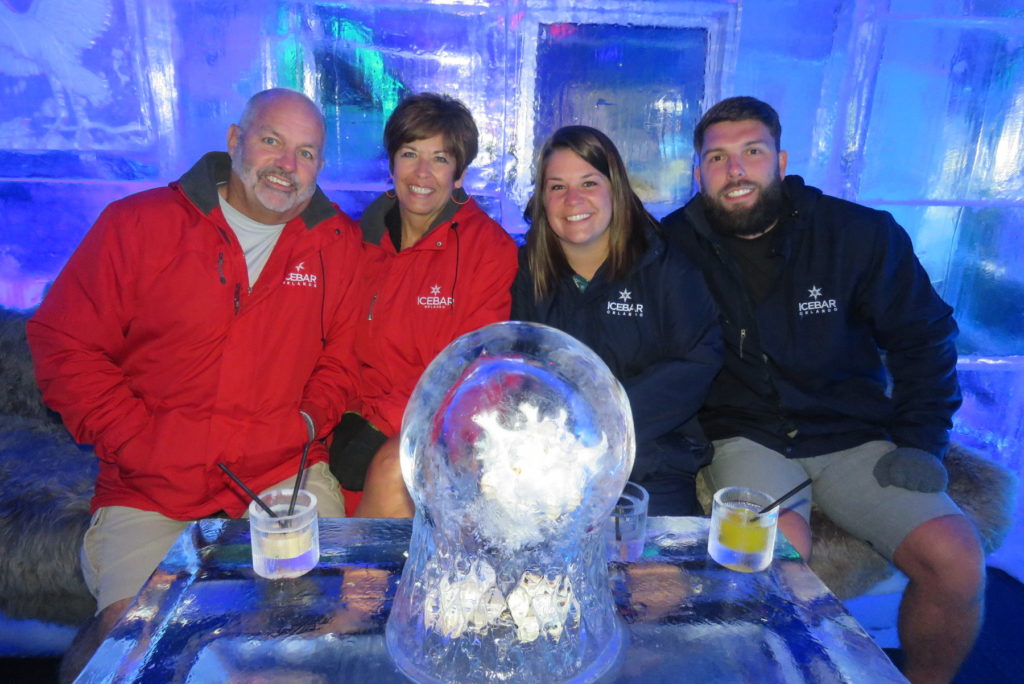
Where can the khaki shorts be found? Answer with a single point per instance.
(123, 546)
(844, 488)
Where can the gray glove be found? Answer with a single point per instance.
(912, 469)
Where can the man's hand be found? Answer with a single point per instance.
(911, 469)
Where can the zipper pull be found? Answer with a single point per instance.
(238, 297)
(373, 303)
(743, 338)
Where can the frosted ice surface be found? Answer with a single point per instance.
(515, 446)
(540, 467)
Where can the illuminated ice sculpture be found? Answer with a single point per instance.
(515, 446)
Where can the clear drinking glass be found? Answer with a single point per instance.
(627, 526)
(288, 545)
(740, 539)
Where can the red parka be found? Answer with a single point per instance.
(457, 278)
(154, 348)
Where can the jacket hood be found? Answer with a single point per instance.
(374, 225)
(802, 199)
(199, 185)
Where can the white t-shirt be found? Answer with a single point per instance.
(257, 239)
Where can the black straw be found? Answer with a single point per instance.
(619, 510)
(782, 498)
(252, 494)
(298, 478)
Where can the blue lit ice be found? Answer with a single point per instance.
(912, 106)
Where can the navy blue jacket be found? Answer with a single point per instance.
(805, 369)
(657, 332)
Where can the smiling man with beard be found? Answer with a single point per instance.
(204, 324)
(812, 291)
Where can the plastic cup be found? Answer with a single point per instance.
(288, 545)
(627, 526)
(740, 539)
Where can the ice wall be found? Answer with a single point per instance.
(913, 106)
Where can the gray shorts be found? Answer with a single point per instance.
(843, 487)
(123, 546)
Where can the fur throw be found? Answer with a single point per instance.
(46, 482)
(984, 490)
(21, 397)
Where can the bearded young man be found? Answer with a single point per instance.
(208, 323)
(823, 305)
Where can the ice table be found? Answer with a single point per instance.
(205, 617)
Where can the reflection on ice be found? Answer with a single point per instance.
(205, 617)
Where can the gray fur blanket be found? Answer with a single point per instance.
(46, 481)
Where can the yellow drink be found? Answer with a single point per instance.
(739, 538)
(740, 532)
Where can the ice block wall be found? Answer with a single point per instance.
(913, 106)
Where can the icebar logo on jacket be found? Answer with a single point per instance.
(299, 278)
(816, 305)
(623, 307)
(434, 300)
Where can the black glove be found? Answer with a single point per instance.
(913, 469)
(355, 443)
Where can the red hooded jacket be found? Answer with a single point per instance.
(153, 347)
(457, 278)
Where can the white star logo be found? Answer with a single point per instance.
(301, 266)
(625, 295)
(435, 290)
(814, 292)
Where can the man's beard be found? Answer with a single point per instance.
(279, 202)
(750, 221)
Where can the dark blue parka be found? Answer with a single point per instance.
(657, 331)
(805, 369)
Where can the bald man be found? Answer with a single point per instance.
(206, 323)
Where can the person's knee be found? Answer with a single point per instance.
(384, 494)
(797, 531)
(109, 616)
(385, 469)
(89, 639)
(944, 553)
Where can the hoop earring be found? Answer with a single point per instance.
(459, 196)
(390, 193)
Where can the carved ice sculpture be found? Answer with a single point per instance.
(515, 446)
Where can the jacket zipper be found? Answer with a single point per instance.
(728, 264)
(238, 297)
(791, 429)
(373, 303)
